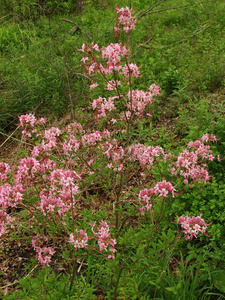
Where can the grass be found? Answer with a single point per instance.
(181, 49)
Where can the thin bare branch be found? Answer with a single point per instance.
(150, 11)
(3, 17)
(15, 139)
(16, 281)
(195, 33)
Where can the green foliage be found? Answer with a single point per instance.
(28, 9)
(202, 115)
(188, 280)
(45, 284)
(42, 75)
(180, 49)
(208, 200)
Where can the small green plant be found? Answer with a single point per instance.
(46, 284)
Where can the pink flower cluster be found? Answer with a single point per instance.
(102, 106)
(207, 138)
(50, 138)
(144, 155)
(43, 254)
(114, 154)
(154, 89)
(191, 165)
(112, 85)
(125, 19)
(93, 138)
(140, 99)
(79, 240)
(113, 54)
(28, 122)
(4, 171)
(104, 238)
(26, 171)
(71, 145)
(192, 226)
(61, 193)
(10, 195)
(161, 189)
(131, 70)
(4, 220)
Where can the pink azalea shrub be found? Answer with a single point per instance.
(62, 162)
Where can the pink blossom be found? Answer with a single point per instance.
(27, 169)
(154, 89)
(191, 165)
(145, 197)
(92, 138)
(113, 53)
(71, 145)
(105, 241)
(113, 121)
(61, 193)
(10, 196)
(116, 29)
(161, 189)
(113, 152)
(50, 203)
(126, 115)
(43, 254)
(89, 48)
(208, 138)
(145, 155)
(92, 68)
(192, 226)
(131, 70)
(4, 220)
(79, 240)
(102, 106)
(84, 47)
(139, 100)
(125, 19)
(4, 171)
(28, 119)
(84, 59)
(112, 85)
(93, 85)
(28, 122)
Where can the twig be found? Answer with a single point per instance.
(150, 9)
(16, 281)
(75, 24)
(82, 75)
(148, 12)
(181, 41)
(69, 21)
(10, 137)
(4, 16)
(78, 270)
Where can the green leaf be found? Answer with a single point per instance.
(219, 280)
